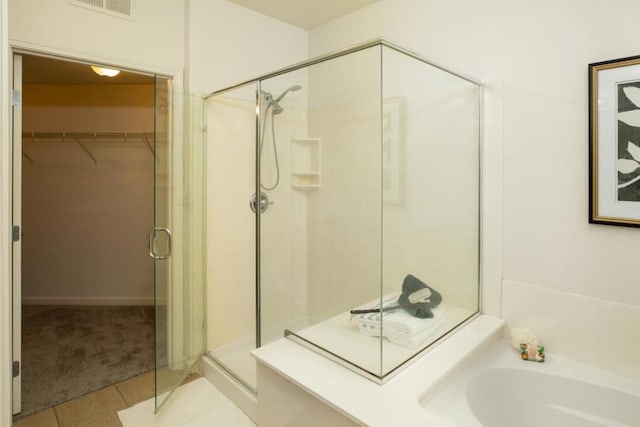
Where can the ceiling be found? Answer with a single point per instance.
(43, 70)
(305, 14)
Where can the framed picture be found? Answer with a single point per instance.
(614, 142)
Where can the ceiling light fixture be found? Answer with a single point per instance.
(105, 72)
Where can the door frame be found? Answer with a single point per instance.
(16, 219)
(5, 220)
(10, 151)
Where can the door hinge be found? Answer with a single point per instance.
(16, 368)
(16, 98)
(15, 233)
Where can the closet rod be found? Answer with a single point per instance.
(91, 136)
(81, 138)
(102, 137)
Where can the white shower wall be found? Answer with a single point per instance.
(362, 235)
(344, 214)
(431, 229)
(284, 231)
(231, 242)
(230, 224)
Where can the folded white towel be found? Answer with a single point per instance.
(372, 320)
(401, 324)
(418, 339)
(397, 322)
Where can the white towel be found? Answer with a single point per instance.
(417, 339)
(398, 322)
(372, 320)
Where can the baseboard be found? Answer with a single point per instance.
(241, 397)
(87, 300)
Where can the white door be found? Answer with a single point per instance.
(17, 231)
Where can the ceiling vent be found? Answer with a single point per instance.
(120, 8)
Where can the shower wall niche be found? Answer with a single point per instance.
(368, 165)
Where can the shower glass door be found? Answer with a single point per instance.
(177, 239)
(232, 224)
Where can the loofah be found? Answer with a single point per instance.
(523, 336)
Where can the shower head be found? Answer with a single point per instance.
(275, 104)
(291, 89)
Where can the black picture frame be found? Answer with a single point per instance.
(614, 142)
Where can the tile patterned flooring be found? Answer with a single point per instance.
(97, 409)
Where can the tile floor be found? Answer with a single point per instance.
(97, 409)
(197, 404)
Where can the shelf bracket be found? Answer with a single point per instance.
(86, 150)
(28, 157)
(146, 140)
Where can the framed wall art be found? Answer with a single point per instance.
(614, 142)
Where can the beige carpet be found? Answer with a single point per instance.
(73, 350)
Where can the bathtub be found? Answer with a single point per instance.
(499, 389)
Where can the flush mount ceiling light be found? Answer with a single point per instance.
(105, 72)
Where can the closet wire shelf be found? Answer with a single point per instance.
(83, 138)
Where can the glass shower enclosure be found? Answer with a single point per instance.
(336, 187)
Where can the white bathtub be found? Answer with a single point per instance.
(499, 389)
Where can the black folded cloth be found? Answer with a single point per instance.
(421, 309)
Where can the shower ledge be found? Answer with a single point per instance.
(360, 401)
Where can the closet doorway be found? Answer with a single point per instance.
(87, 280)
(108, 221)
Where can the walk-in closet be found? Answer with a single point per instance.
(87, 208)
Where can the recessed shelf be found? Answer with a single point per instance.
(305, 164)
(306, 188)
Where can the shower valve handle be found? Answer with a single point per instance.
(264, 202)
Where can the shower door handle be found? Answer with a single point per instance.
(152, 243)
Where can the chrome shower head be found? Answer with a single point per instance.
(275, 104)
(291, 89)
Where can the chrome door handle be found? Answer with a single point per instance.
(152, 243)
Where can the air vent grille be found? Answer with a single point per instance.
(120, 8)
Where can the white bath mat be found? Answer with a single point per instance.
(196, 404)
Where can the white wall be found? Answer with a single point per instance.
(85, 224)
(230, 44)
(154, 41)
(540, 51)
